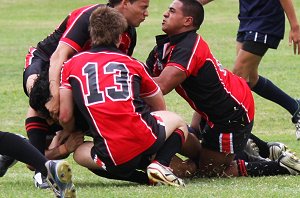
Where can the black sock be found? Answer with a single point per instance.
(171, 146)
(137, 176)
(20, 149)
(268, 90)
(265, 168)
(37, 129)
(262, 145)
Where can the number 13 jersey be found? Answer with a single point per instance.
(108, 87)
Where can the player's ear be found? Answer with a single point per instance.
(125, 2)
(188, 21)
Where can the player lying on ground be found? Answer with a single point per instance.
(256, 151)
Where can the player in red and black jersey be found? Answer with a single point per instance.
(123, 106)
(70, 37)
(183, 61)
(262, 27)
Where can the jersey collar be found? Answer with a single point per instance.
(164, 38)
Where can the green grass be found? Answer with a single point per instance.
(24, 23)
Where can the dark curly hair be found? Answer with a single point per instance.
(40, 94)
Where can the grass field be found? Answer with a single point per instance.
(24, 23)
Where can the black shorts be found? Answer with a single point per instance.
(141, 161)
(34, 64)
(2, 134)
(231, 140)
(257, 43)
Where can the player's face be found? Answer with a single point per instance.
(173, 19)
(136, 12)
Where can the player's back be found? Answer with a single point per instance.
(106, 88)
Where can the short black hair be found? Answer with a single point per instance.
(194, 9)
(40, 94)
(113, 3)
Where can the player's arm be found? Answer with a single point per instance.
(66, 111)
(56, 153)
(156, 102)
(195, 120)
(203, 2)
(294, 36)
(169, 79)
(62, 53)
(59, 150)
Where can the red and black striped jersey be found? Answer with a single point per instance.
(216, 93)
(74, 31)
(108, 87)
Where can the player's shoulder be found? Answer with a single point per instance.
(85, 9)
(185, 41)
(130, 61)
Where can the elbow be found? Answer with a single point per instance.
(65, 118)
(163, 85)
(164, 90)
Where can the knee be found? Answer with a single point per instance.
(76, 156)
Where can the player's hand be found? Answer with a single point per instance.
(62, 136)
(74, 140)
(294, 39)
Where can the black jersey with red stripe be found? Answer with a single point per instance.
(74, 31)
(216, 93)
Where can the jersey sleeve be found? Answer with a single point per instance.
(180, 58)
(77, 32)
(148, 86)
(150, 62)
(189, 59)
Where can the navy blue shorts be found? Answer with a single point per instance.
(257, 43)
(269, 40)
